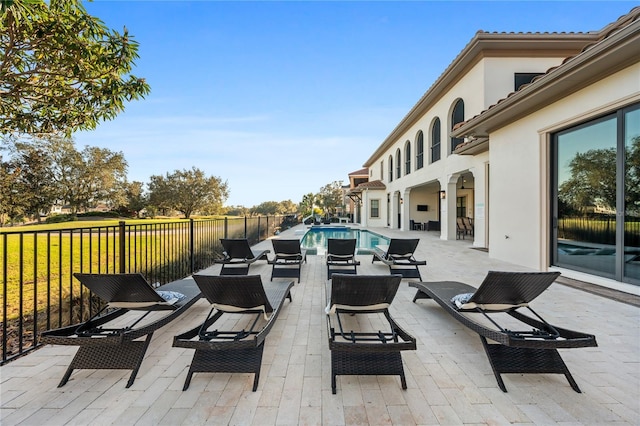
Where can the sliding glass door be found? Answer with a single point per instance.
(596, 196)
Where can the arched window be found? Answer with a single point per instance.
(407, 158)
(382, 170)
(457, 116)
(390, 168)
(435, 140)
(398, 163)
(419, 150)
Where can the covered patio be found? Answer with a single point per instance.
(449, 377)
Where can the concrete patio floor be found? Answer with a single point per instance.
(449, 378)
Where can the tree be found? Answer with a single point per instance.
(61, 69)
(188, 191)
(88, 177)
(11, 201)
(330, 197)
(34, 180)
(307, 203)
(136, 199)
(266, 208)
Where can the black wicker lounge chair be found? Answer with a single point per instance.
(360, 347)
(534, 350)
(341, 256)
(238, 350)
(133, 309)
(288, 259)
(238, 256)
(399, 257)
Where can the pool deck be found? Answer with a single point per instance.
(450, 381)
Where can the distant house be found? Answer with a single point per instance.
(496, 139)
(352, 199)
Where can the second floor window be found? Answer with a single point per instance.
(407, 158)
(419, 151)
(457, 116)
(435, 141)
(398, 164)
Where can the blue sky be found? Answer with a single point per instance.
(282, 98)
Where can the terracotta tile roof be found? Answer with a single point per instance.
(374, 184)
(603, 34)
(364, 171)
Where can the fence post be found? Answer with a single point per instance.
(226, 227)
(245, 226)
(259, 234)
(123, 246)
(192, 256)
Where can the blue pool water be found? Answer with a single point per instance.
(317, 237)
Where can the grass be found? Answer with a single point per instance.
(37, 266)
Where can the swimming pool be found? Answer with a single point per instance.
(317, 237)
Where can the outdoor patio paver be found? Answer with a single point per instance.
(449, 378)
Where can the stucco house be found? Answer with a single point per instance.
(515, 135)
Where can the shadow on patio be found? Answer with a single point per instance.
(449, 377)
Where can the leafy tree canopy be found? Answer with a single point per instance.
(188, 191)
(61, 69)
(330, 197)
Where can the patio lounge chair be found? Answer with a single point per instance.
(288, 259)
(399, 257)
(341, 256)
(238, 256)
(534, 350)
(239, 348)
(109, 340)
(360, 347)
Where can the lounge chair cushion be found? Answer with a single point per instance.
(331, 309)
(169, 298)
(239, 309)
(461, 301)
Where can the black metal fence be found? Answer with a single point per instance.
(40, 293)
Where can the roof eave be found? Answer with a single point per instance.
(563, 44)
(605, 58)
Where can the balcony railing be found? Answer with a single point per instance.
(36, 267)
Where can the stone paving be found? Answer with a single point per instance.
(449, 378)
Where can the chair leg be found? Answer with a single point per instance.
(66, 376)
(333, 383)
(135, 370)
(126, 356)
(505, 360)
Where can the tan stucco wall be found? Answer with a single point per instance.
(484, 84)
(519, 167)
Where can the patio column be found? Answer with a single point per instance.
(480, 208)
(406, 210)
(448, 208)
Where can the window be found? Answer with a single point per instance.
(374, 211)
(435, 140)
(398, 162)
(390, 169)
(457, 116)
(382, 170)
(461, 206)
(595, 196)
(407, 158)
(419, 150)
(522, 78)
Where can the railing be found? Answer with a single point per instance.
(38, 289)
